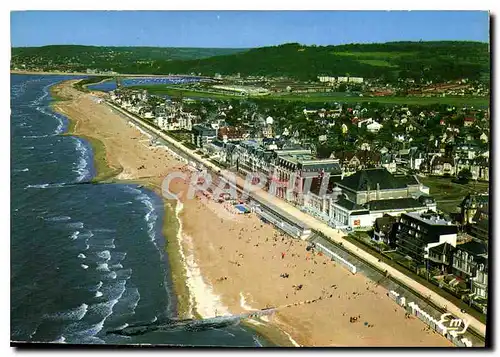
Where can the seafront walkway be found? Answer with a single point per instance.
(333, 234)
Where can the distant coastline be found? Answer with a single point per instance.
(58, 73)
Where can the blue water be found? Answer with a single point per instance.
(84, 258)
(111, 84)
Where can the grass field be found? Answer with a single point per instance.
(378, 55)
(377, 62)
(319, 97)
(447, 194)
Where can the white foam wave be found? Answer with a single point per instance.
(98, 294)
(75, 225)
(75, 314)
(58, 218)
(133, 300)
(84, 266)
(107, 230)
(102, 267)
(61, 339)
(83, 164)
(117, 266)
(112, 275)
(114, 290)
(118, 256)
(105, 254)
(82, 256)
(87, 234)
(21, 170)
(74, 235)
(45, 185)
(123, 273)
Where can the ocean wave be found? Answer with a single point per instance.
(75, 330)
(117, 266)
(58, 218)
(75, 225)
(28, 148)
(132, 190)
(84, 266)
(83, 162)
(60, 125)
(61, 339)
(133, 299)
(102, 267)
(45, 185)
(107, 230)
(45, 93)
(75, 314)
(82, 256)
(34, 136)
(98, 294)
(74, 235)
(96, 287)
(105, 254)
(111, 275)
(87, 234)
(21, 170)
(118, 256)
(114, 290)
(92, 340)
(123, 273)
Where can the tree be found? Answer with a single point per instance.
(464, 176)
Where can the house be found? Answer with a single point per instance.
(418, 232)
(202, 134)
(468, 121)
(470, 262)
(374, 127)
(471, 204)
(438, 165)
(439, 257)
(231, 133)
(384, 229)
(484, 137)
(479, 227)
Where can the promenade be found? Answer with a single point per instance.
(334, 234)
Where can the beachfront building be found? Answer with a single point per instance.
(353, 203)
(470, 262)
(417, 233)
(202, 134)
(292, 173)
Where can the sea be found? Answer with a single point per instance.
(85, 258)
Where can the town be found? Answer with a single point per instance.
(407, 183)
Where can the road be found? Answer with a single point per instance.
(334, 234)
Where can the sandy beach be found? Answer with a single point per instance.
(233, 263)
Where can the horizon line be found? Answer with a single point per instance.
(246, 48)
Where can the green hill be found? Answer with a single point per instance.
(436, 61)
(426, 60)
(75, 57)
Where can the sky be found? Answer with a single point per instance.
(242, 29)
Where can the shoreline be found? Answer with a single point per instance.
(186, 306)
(105, 173)
(307, 325)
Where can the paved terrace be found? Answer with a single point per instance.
(334, 234)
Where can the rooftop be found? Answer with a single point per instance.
(430, 218)
(371, 179)
(398, 203)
